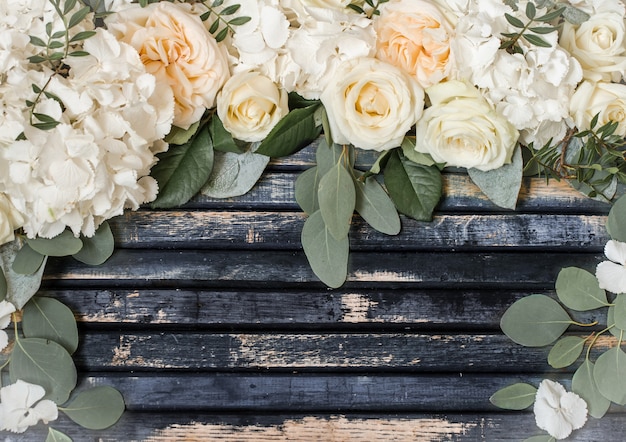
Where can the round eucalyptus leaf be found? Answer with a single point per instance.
(540, 438)
(97, 408)
(610, 375)
(619, 311)
(48, 318)
(27, 261)
(98, 248)
(514, 397)
(501, 185)
(306, 187)
(610, 321)
(57, 436)
(234, 174)
(566, 351)
(615, 223)
(46, 363)
(337, 199)
(584, 385)
(19, 288)
(63, 244)
(535, 321)
(376, 207)
(578, 289)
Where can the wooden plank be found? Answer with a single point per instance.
(271, 230)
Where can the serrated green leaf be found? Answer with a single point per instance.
(306, 186)
(337, 199)
(501, 185)
(27, 261)
(182, 171)
(514, 397)
(234, 174)
(78, 17)
(584, 385)
(294, 131)
(64, 244)
(615, 224)
(98, 248)
(48, 318)
(609, 375)
(46, 363)
(57, 436)
(327, 256)
(97, 408)
(536, 40)
(579, 290)
(376, 207)
(222, 139)
(535, 321)
(566, 351)
(415, 189)
(514, 21)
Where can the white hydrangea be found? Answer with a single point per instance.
(21, 406)
(6, 308)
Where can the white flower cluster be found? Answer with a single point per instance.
(96, 161)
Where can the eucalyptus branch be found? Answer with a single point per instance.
(529, 32)
(221, 20)
(597, 335)
(374, 7)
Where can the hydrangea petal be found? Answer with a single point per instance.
(611, 276)
(616, 251)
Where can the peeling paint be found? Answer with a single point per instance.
(356, 307)
(386, 276)
(333, 429)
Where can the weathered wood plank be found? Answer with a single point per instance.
(271, 230)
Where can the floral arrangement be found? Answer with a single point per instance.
(106, 105)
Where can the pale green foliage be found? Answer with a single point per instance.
(221, 23)
(501, 185)
(514, 397)
(96, 408)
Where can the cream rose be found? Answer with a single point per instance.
(371, 104)
(250, 105)
(462, 129)
(414, 35)
(10, 219)
(606, 99)
(599, 44)
(175, 46)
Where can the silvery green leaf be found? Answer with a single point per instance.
(574, 15)
(327, 156)
(578, 289)
(306, 186)
(584, 385)
(501, 185)
(337, 199)
(27, 261)
(98, 248)
(514, 397)
(616, 223)
(540, 438)
(565, 352)
(57, 436)
(376, 207)
(97, 408)
(609, 374)
(64, 244)
(610, 322)
(20, 288)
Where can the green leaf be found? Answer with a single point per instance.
(306, 190)
(566, 351)
(540, 438)
(531, 11)
(238, 21)
(501, 185)
(98, 248)
(619, 311)
(182, 171)
(535, 321)
(327, 256)
(234, 174)
(27, 261)
(57, 436)
(376, 207)
(179, 136)
(20, 288)
(415, 189)
(46, 363)
(230, 10)
(536, 40)
(78, 17)
(579, 290)
(584, 385)
(408, 149)
(550, 15)
(64, 244)
(574, 15)
(610, 321)
(48, 318)
(337, 199)
(542, 29)
(222, 139)
(616, 226)
(97, 408)
(514, 21)
(36, 41)
(3, 285)
(326, 157)
(68, 6)
(294, 131)
(514, 397)
(609, 374)
(214, 26)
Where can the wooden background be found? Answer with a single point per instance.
(210, 322)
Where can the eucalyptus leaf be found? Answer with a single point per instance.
(619, 311)
(97, 408)
(64, 244)
(501, 185)
(609, 374)
(578, 289)
(584, 385)
(182, 170)
(179, 136)
(3, 285)
(306, 187)
(49, 318)
(98, 248)
(294, 131)
(20, 288)
(574, 15)
(375, 206)
(27, 261)
(57, 436)
(46, 363)
(327, 156)
(408, 149)
(535, 321)
(566, 351)
(337, 200)
(380, 162)
(234, 174)
(540, 438)
(222, 139)
(327, 256)
(414, 188)
(514, 397)
(610, 321)
(615, 223)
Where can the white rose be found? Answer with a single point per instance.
(250, 105)
(606, 99)
(10, 219)
(599, 44)
(460, 128)
(371, 104)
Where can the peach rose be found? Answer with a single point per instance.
(175, 46)
(414, 35)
